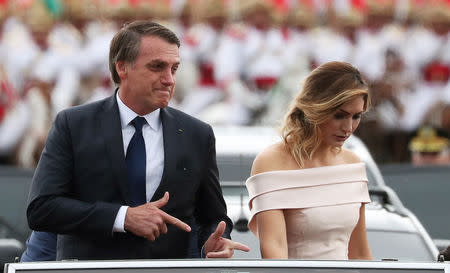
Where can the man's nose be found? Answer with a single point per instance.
(168, 78)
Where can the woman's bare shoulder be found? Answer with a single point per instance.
(349, 157)
(272, 158)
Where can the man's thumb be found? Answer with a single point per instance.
(219, 230)
(163, 201)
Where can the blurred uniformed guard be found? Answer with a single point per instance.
(429, 148)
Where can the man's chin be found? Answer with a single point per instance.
(163, 104)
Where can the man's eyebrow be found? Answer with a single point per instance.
(159, 61)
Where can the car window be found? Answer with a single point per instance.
(234, 167)
(398, 245)
(6, 231)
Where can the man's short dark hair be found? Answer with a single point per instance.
(126, 43)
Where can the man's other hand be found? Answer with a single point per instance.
(149, 221)
(218, 247)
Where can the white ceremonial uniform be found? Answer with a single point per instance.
(432, 87)
(248, 63)
(93, 59)
(22, 52)
(341, 50)
(296, 60)
(200, 47)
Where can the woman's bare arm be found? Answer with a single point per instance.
(358, 247)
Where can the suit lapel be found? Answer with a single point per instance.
(110, 128)
(173, 138)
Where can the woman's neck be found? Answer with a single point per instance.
(323, 156)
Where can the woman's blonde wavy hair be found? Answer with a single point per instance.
(326, 89)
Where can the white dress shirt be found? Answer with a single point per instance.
(154, 149)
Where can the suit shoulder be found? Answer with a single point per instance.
(84, 108)
(80, 115)
(186, 118)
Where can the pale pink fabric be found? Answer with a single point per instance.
(321, 206)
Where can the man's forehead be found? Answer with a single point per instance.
(156, 40)
(159, 50)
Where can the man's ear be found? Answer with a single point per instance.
(122, 69)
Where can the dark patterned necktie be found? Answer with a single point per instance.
(136, 162)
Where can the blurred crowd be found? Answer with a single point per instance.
(241, 63)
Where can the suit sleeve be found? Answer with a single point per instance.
(52, 204)
(211, 207)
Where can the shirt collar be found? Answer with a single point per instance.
(127, 115)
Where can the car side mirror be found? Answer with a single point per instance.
(444, 255)
(241, 224)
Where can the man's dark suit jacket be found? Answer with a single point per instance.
(81, 182)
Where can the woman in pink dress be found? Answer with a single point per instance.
(307, 193)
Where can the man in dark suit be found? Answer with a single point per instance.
(103, 180)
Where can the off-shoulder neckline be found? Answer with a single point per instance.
(308, 169)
